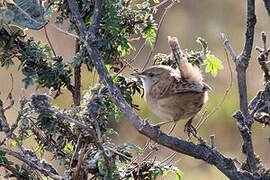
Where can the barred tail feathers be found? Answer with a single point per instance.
(186, 69)
(190, 72)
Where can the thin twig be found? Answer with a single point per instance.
(80, 162)
(212, 140)
(200, 123)
(76, 93)
(169, 158)
(65, 32)
(140, 155)
(131, 61)
(159, 4)
(229, 47)
(48, 39)
(92, 109)
(157, 34)
(10, 97)
(22, 158)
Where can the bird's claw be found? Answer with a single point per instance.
(190, 130)
(156, 126)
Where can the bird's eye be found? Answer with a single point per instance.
(151, 74)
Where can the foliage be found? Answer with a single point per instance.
(199, 58)
(51, 130)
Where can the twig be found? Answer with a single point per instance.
(65, 32)
(218, 106)
(263, 58)
(92, 108)
(157, 34)
(79, 164)
(212, 140)
(159, 4)
(10, 134)
(229, 47)
(267, 6)
(9, 97)
(169, 158)
(244, 119)
(131, 61)
(76, 94)
(40, 103)
(22, 158)
(27, 14)
(140, 155)
(48, 39)
(149, 154)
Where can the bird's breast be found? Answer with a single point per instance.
(178, 106)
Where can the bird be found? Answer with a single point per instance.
(174, 94)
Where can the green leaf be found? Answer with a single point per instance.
(179, 174)
(117, 115)
(214, 60)
(208, 68)
(131, 146)
(165, 173)
(13, 143)
(2, 153)
(218, 65)
(17, 167)
(203, 43)
(214, 71)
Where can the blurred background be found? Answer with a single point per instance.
(187, 20)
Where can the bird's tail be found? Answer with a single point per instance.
(186, 69)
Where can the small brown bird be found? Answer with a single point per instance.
(174, 94)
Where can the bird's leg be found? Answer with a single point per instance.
(190, 129)
(171, 130)
(163, 123)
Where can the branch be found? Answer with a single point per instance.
(14, 171)
(22, 158)
(267, 6)
(263, 58)
(76, 94)
(244, 119)
(199, 151)
(92, 108)
(41, 105)
(157, 33)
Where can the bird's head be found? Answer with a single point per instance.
(153, 75)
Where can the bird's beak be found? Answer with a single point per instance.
(137, 74)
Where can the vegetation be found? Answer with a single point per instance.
(80, 138)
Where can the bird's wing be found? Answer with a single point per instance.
(174, 86)
(206, 87)
(182, 86)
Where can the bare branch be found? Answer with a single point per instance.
(157, 34)
(212, 139)
(229, 47)
(76, 93)
(48, 39)
(65, 32)
(243, 117)
(267, 6)
(263, 58)
(22, 158)
(40, 103)
(93, 109)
